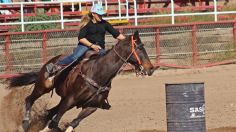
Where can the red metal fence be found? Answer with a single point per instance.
(181, 46)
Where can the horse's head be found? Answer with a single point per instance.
(139, 57)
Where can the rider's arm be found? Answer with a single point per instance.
(89, 44)
(115, 33)
(85, 42)
(120, 37)
(82, 39)
(82, 36)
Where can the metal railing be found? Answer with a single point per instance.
(179, 45)
(124, 3)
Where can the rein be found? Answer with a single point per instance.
(133, 51)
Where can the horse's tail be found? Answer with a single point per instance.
(23, 79)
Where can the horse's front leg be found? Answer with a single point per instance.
(65, 105)
(83, 114)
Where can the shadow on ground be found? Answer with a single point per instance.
(223, 129)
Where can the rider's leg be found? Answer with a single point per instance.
(78, 52)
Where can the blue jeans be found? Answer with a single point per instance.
(78, 52)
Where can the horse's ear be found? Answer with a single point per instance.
(136, 36)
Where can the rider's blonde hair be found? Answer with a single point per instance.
(85, 19)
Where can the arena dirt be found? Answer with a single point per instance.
(138, 103)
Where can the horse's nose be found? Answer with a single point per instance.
(151, 70)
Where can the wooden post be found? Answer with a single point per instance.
(44, 48)
(158, 46)
(234, 33)
(7, 53)
(194, 45)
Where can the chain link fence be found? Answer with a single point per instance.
(182, 46)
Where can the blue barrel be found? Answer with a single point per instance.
(185, 106)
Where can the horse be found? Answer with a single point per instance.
(85, 85)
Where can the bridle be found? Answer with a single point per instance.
(133, 52)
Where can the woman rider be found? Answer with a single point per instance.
(91, 36)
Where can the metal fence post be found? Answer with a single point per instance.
(7, 53)
(215, 11)
(22, 17)
(62, 17)
(119, 9)
(158, 46)
(234, 32)
(194, 45)
(44, 47)
(135, 13)
(172, 12)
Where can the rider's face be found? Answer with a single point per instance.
(97, 17)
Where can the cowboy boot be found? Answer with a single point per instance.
(52, 69)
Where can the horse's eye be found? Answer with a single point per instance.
(140, 46)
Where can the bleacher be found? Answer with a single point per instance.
(143, 7)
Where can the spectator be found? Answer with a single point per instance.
(5, 1)
(5, 12)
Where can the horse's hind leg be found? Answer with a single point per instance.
(29, 101)
(83, 114)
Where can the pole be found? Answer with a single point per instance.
(158, 45)
(194, 45)
(44, 48)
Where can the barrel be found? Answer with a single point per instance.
(185, 107)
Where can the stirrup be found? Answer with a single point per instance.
(49, 67)
(52, 69)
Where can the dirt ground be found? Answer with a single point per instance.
(138, 103)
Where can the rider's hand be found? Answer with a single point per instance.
(96, 47)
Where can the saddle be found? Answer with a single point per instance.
(62, 72)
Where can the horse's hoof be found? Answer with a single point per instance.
(25, 125)
(106, 106)
(70, 129)
(46, 129)
(20, 129)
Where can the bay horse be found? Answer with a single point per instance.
(85, 85)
